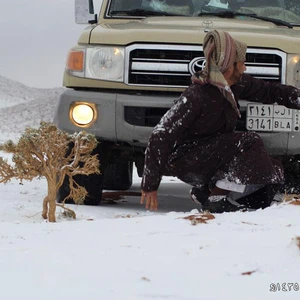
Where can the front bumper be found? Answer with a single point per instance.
(112, 126)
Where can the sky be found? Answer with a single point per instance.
(35, 38)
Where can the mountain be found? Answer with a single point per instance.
(22, 106)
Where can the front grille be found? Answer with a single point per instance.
(150, 116)
(265, 65)
(144, 116)
(158, 65)
(172, 65)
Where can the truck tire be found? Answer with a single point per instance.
(118, 175)
(93, 184)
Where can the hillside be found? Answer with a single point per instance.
(22, 106)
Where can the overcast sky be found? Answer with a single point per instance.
(35, 38)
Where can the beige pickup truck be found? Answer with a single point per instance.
(135, 58)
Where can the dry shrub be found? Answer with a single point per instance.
(292, 199)
(297, 241)
(123, 216)
(295, 202)
(249, 272)
(46, 152)
(200, 218)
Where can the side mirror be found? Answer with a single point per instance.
(84, 12)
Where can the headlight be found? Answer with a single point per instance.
(104, 63)
(293, 70)
(83, 114)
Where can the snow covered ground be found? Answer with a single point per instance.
(118, 250)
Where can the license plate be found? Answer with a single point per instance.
(264, 117)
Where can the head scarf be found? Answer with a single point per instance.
(221, 52)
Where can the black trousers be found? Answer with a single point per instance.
(261, 198)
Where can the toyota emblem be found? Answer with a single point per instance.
(196, 65)
(207, 25)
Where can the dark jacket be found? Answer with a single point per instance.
(199, 117)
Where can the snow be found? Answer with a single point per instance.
(22, 106)
(119, 250)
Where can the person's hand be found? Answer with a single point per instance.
(151, 200)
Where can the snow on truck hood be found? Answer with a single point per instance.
(186, 30)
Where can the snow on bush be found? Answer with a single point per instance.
(53, 154)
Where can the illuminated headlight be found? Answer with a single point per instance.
(83, 114)
(293, 70)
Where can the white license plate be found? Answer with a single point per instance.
(264, 117)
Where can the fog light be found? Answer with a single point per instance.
(83, 114)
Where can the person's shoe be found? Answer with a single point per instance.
(198, 196)
(221, 203)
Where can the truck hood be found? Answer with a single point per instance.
(187, 30)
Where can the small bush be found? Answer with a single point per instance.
(46, 152)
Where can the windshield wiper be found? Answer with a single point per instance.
(232, 14)
(142, 13)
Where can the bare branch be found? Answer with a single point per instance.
(54, 154)
(6, 171)
(72, 212)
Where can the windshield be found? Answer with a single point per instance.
(284, 10)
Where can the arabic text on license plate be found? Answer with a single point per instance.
(262, 117)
